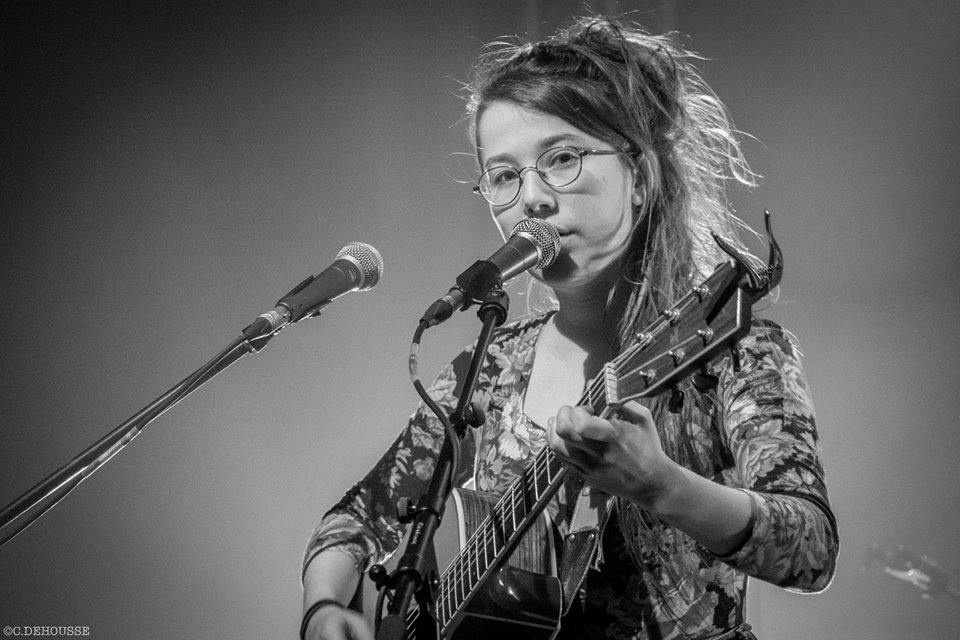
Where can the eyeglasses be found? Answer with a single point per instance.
(557, 167)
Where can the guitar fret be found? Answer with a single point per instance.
(516, 505)
(543, 469)
(466, 574)
(497, 528)
(554, 467)
(460, 586)
(471, 561)
(443, 609)
(520, 496)
(510, 519)
(489, 546)
(478, 570)
(452, 586)
(536, 480)
(450, 606)
(454, 593)
(529, 485)
(486, 555)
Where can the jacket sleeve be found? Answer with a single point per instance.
(771, 430)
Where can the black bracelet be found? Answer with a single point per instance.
(312, 610)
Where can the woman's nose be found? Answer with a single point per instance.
(538, 198)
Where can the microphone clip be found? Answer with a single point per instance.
(472, 287)
(296, 312)
(478, 281)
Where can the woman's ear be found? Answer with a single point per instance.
(641, 178)
(639, 195)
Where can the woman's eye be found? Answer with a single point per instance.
(562, 158)
(500, 177)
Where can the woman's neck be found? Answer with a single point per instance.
(588, 315)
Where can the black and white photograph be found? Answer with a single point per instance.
(510, 319)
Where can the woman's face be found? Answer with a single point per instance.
(594, 214)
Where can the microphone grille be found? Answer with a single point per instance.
(369, 260)
(544, 235)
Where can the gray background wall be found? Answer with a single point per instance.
(170, 169)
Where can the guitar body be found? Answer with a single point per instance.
(522, 599)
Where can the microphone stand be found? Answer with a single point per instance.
(416, 574)
(26, 509)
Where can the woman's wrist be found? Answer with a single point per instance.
(312, 610)
(661, 495)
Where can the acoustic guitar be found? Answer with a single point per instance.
(501, 577)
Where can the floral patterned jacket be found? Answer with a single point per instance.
(759, 423)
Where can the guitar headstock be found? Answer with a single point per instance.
(706, 322)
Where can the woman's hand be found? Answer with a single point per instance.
(622, 457)
(331, 622)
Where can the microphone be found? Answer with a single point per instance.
(357, 267)
(532, 243)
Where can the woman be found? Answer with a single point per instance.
(610, 135)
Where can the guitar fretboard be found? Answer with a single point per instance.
(498, 535)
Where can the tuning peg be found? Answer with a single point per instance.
(706, 335)
(705, 381)
(676, 400)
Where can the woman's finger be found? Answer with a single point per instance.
(577, 425)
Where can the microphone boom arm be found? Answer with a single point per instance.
(26, 509)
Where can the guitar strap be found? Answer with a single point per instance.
(581, 546)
